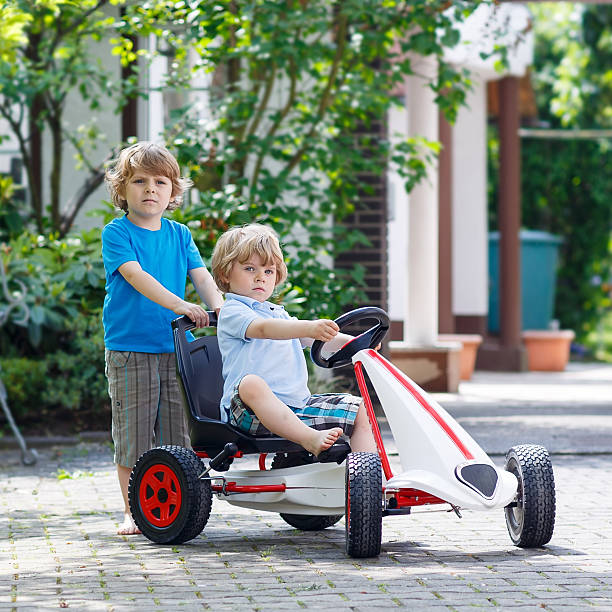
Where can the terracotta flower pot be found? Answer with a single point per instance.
(467, 358)
(547, 350)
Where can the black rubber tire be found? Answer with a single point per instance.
(305, 522)
(310, 522)
(531, 520)
(364, 505)
(160, 477)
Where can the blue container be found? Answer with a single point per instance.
(539, 256)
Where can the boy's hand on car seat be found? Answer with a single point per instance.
(195, 312)
(323, 329)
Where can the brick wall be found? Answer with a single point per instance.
(370, 217)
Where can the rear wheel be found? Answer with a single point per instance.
(168, 501)
(531, 518)
(305, 522)
(364, 505)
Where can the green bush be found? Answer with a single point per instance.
(11, 209)
(565, 190)
(61, 279)
(53, 366)
(24, 379)
(64, 390)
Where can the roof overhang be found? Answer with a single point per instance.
(508, 25)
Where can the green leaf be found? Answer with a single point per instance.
(37, 315)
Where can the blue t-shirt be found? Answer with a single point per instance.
(280, 363)
(133, 322)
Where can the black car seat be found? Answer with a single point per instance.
(200, 377)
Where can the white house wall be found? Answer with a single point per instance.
(505, 24)
(72, 178)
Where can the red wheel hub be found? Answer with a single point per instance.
(160, 495)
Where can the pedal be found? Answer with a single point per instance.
(336, 453)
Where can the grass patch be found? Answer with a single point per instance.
(599, 342)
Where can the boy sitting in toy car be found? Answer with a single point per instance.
(264, 368)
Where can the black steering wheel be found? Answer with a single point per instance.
(369, 339)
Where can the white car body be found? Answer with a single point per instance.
(438, 457)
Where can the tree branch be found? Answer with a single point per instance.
(325, 97)
(91, 183)
(55, 125)
(275, 125)
(263, 104)
(79, 149)
(239, 131)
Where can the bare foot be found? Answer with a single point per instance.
(128, 527)
(322, 440)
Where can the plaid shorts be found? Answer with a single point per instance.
(322, 411)
(147, 405)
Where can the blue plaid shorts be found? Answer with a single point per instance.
(322, 411)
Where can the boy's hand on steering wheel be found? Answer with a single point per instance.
(323, 329)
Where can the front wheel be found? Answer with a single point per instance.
(168, 501)
(364, 505)
(531, 518)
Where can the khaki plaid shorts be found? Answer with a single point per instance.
(147, 405)
(322, 411)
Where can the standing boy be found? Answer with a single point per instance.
(264, 369)
(147, 259)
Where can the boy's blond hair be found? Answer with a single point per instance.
(239, 244)
(149, 158)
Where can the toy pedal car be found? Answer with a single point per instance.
(171, 487)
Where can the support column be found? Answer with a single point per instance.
(509, 212)
(445, 229)
(469, 217)
(508, 353)
(421, 318)
(432, 365)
